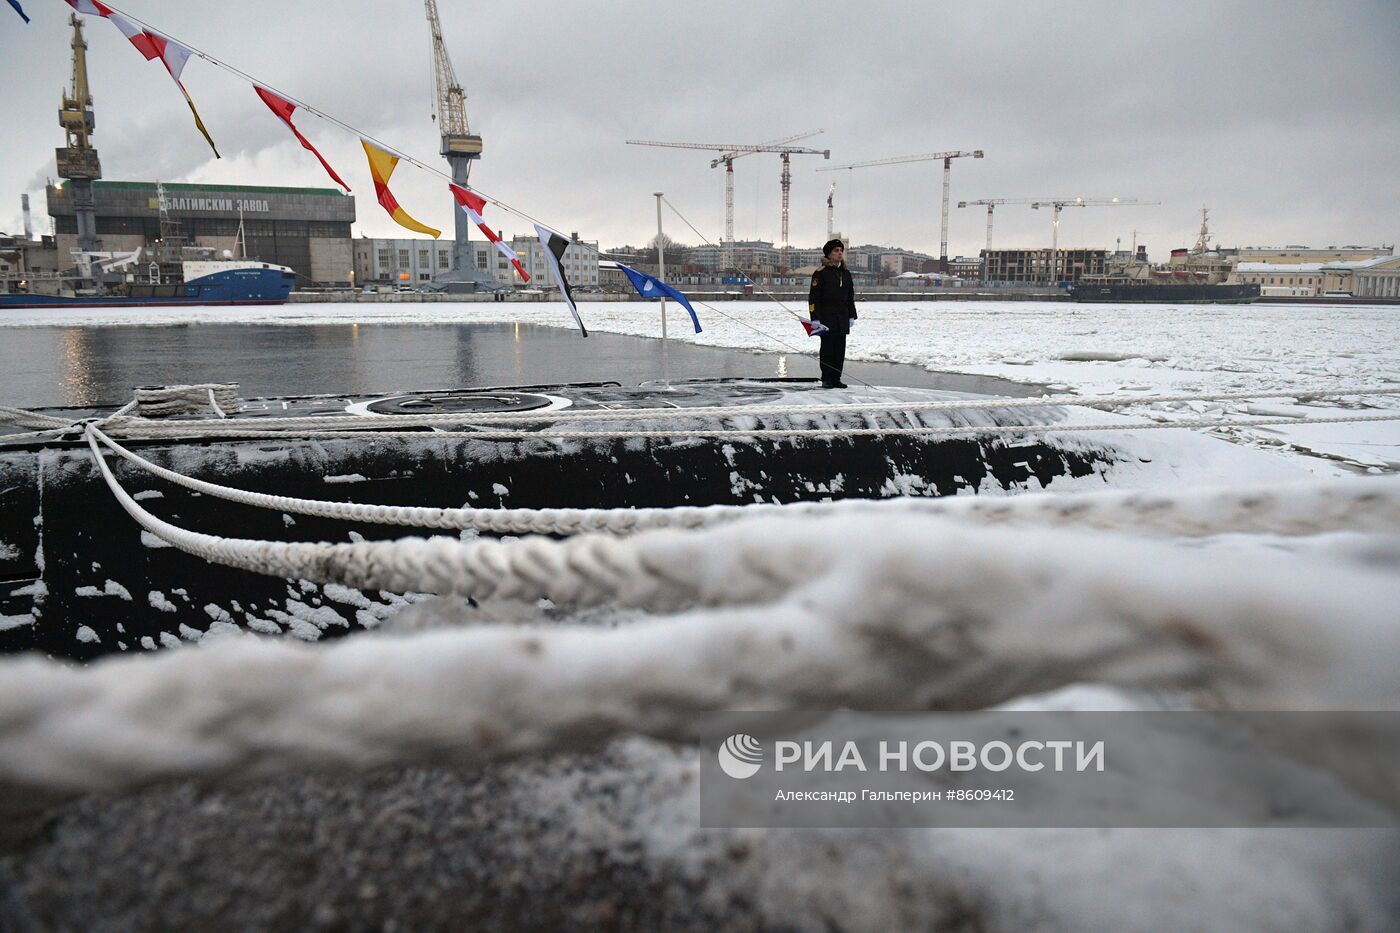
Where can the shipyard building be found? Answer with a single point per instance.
(307, 229)
(418, 262)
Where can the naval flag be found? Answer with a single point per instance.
(813, 328)
(649, 286)
(554, 244)
(19, 9)
(472, 205)
(381, 165)
(284, 108)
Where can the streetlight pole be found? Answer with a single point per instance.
(660, 261)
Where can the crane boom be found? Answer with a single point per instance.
(735, 148)
(1060, 204)
(731, 151)
(449, 97)
(924, 157)
(991, 204)
(947, 158)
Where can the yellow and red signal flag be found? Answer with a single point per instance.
(153, 45)
(381, 165)
(284, 108)
(473, 205)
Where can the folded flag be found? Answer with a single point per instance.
(381, 166)
(649, 286)
(813, 328)
(472, 205)
(19, 9)
(284, 108)
(554, 244)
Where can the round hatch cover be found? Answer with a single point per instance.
(451, 402)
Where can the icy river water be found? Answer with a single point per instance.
(76, 365)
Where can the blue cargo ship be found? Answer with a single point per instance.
(192, 282)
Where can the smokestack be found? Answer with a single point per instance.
(28, 221)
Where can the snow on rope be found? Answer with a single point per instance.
(159, 401)
(1298, 508)
(135, 427)
(909, 612)
(584, 570)
(825, 431)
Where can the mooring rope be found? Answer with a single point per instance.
(1299, 508)
(587, 569)
(834, 430)
(341, 426)
(924, 613)
(665, 414)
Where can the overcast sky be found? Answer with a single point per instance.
(1283, 117)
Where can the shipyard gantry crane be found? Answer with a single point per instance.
(77, 161)
(730, 152)
(460, 146)
(947, 158)
(1059, 204)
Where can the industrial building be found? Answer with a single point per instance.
(418, 262)
(307, 229)
(1040, 265)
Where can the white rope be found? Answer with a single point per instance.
(133, 427)
(23, 418)
(217, 430)
(158, 401)
(1311, 508)
(914, 613)
(584, 570)
(33, 436)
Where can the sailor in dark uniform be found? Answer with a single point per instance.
(832, 301)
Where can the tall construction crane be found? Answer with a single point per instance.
(947, 158)
(77, 161)
(1060, 204)
(729, 152)
(460, 146)
(727, 160)
(991, 204)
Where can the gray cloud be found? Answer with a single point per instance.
(1284, 118)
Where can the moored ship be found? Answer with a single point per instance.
(197, 278)
(1164, 292)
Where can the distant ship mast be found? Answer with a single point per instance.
(1203, 239)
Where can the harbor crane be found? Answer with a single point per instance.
(947, 158)
(730, 152)
(77, 161)
(1060, 204)
(460, 146)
